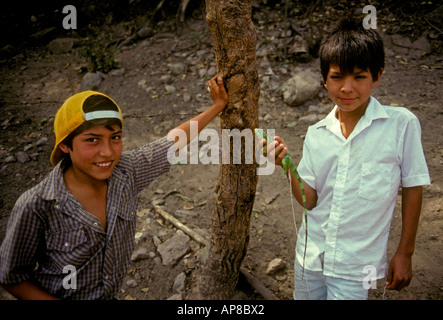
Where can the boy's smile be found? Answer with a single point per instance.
(350, 91)
(94, 154)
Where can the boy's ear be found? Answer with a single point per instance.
(380, 73)
(324, 84)
(63, 147)
(375, 82)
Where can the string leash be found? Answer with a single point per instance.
(288, 164)
(384, 292)
(296, 233)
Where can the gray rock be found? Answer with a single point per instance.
(303, 86)
(211, 71)
(174, 248)
(186, 97)
(421, 44)
(400, 41)
(170, 88)
(145, 32)
(419, 47)
(131, 283)
(141, 253)
(118, 72)
(310, 118)
(177, 296)
(22, 157)
(275, 265)
(165, 78)
(179, 283)
(10, 159)
(61, 45)
(177, 68)
(41, 141)
(202, 72)
(91, 81)
(3, 153)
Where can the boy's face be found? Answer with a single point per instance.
(350, 91)
(95, 152)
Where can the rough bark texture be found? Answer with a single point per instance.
(234, 40)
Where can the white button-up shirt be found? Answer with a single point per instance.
(357, 181)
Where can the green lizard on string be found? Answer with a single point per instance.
(287, 164)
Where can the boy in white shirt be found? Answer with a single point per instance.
(353, 163)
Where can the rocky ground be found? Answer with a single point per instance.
(159, 81)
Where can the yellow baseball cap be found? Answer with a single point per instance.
(71, 115)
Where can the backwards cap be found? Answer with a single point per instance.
(71, 115)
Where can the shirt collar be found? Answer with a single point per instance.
(54, 187)
(373, 112)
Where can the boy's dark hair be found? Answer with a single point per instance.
(350, 45)
(94, 103)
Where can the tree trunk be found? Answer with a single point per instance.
(234, 40)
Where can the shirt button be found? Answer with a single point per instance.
(95, 224)
(66, 244)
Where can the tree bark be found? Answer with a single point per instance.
(234, 40)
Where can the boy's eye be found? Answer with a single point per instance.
(91, 140)
(116, 137)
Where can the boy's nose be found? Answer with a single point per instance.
(347, 85)
(105, 150)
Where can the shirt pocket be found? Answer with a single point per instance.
(375, 181)
(68, 247)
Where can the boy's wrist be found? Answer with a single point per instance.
(408, 252)
(219, 105)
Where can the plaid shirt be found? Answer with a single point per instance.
(50, 238)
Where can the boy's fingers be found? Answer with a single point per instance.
(278, 150)
(261, 143)
(271, 146)
(396, 284)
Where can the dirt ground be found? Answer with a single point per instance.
(35, 82)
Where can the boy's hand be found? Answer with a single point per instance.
(399, 272)
(277, 147)
(218, 91)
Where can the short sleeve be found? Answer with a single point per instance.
(414, 170)
(150, 161)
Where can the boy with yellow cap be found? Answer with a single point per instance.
(72, 235)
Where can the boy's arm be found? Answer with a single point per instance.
(279, 147)
(400, 268)
(220, 98)
(310, 193)
(29, 291)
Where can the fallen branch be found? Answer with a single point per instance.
(169, 217)
(257, 285)
(254, 283)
